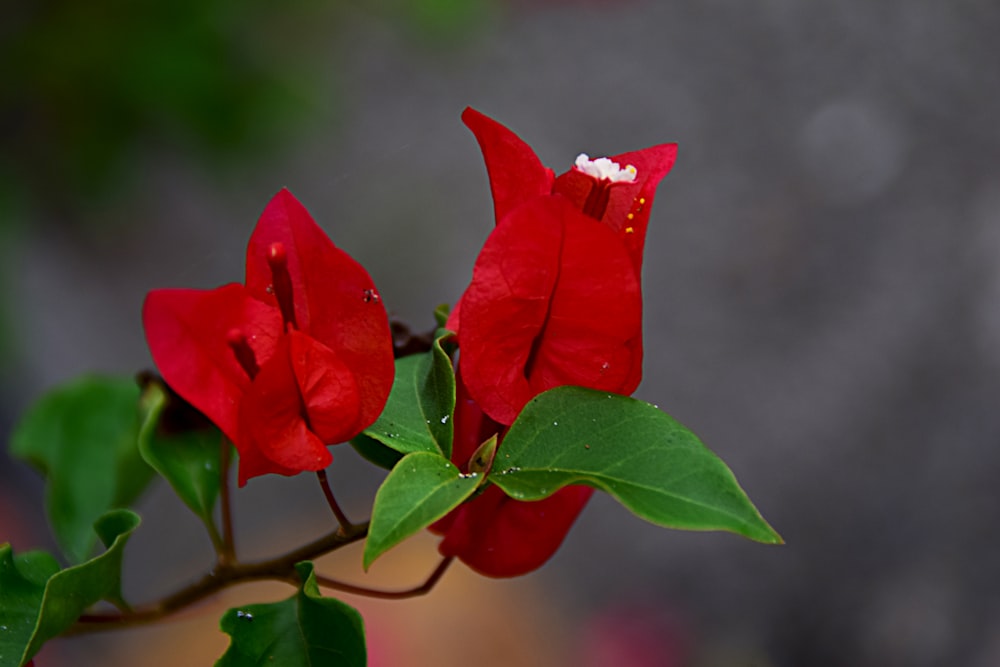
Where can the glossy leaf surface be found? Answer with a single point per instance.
(417, 416)
(305, 630)
(421, 489)
(644, 458)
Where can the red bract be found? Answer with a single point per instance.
(297, 358)
(494, 534)
(555, 300)
(555, 296)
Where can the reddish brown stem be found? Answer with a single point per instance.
(346, 527)
(281, 568)
(389, 595)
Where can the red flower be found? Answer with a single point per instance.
(555, 300)
(297, 358)
(555, 296)
(494, 534)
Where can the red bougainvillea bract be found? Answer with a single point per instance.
(297, 358)
(555, 300)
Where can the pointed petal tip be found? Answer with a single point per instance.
(470, 113)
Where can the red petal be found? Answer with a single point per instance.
(336, 302)
(516, 174)
(254, 464)
(651, 164)
(505, 306)
(453, 317)
(592, 336)
(274, 435)
(328, 389)
(472, 426)
(501, 537)
(187, 332)
(554, 300)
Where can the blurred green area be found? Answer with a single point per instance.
(93, 85)
(94, 91)
(90, 86)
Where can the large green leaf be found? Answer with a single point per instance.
(417, 416)
(83, 437)
(653, 465)
(188, 459)
(421, 489)
(38, 602)
(306, 630)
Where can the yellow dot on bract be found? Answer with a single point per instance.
(629, 230)
(642, 200)
(630, 216)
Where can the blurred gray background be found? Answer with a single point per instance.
(822, 288)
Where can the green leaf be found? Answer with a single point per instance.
(83, 437)
(421, 489)
(417, 416)
(375, 452)
(40, 602)
(22, 587)
(306, 629)
(644, 458)
(441, 314)
(189, 459)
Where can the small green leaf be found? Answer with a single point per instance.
(482, 459)
(189, 460)
(305, 630)
(83, 437)
(644, 458)
(417, 416)
(441, 314)
(421, 489)
(40, 602)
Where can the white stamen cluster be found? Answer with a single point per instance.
(604, 169)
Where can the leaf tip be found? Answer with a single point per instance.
(766, 534)
(776, 539)
(369, 556)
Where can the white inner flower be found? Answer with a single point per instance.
(605, 169)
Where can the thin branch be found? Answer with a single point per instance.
(347, 528)
(422, 589)
(280, 568)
